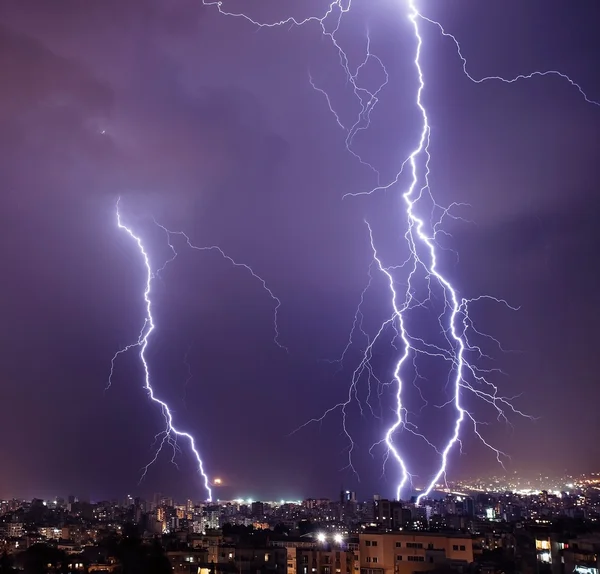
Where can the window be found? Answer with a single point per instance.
(416, 558)
(463, 548)
(374, 559)
(367, 543)
(414, 545)
(455, 547)
(398, 544)
(368, 559)
(374, 543)
(430, 547)
(399, 557)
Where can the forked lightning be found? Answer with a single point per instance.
(171, 433)
(459, 349)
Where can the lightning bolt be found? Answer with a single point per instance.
(454, 322)
(456, 309)
(171, 433)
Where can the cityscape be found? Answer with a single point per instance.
(472, 531)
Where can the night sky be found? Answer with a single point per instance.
(211, 126)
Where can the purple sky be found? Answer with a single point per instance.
(211, 126)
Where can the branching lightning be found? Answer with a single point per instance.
(459, 348)
(170, 435)
(217, 249)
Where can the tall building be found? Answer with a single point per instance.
(388, 513)
(347, 496)
(348, 505)
(257, 509)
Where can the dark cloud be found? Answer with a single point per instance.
(52, 109)
(34, 76)
(157, 143)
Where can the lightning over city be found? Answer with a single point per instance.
(171, 433)
(453, 319)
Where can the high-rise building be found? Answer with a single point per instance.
(258, 509)
(388, 513)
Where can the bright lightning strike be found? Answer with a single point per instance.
(171, 433)
(455, 324)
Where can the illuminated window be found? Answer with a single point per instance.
(545, 557)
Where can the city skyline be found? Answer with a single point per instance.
(482, 532)
(494, 484)
(240, 151)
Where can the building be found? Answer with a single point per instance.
(405, 553)
(292, 546)
(331, 560)
(388, 513)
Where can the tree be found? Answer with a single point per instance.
(6, 564)
(37, 557)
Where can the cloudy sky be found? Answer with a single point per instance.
(210, 125)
